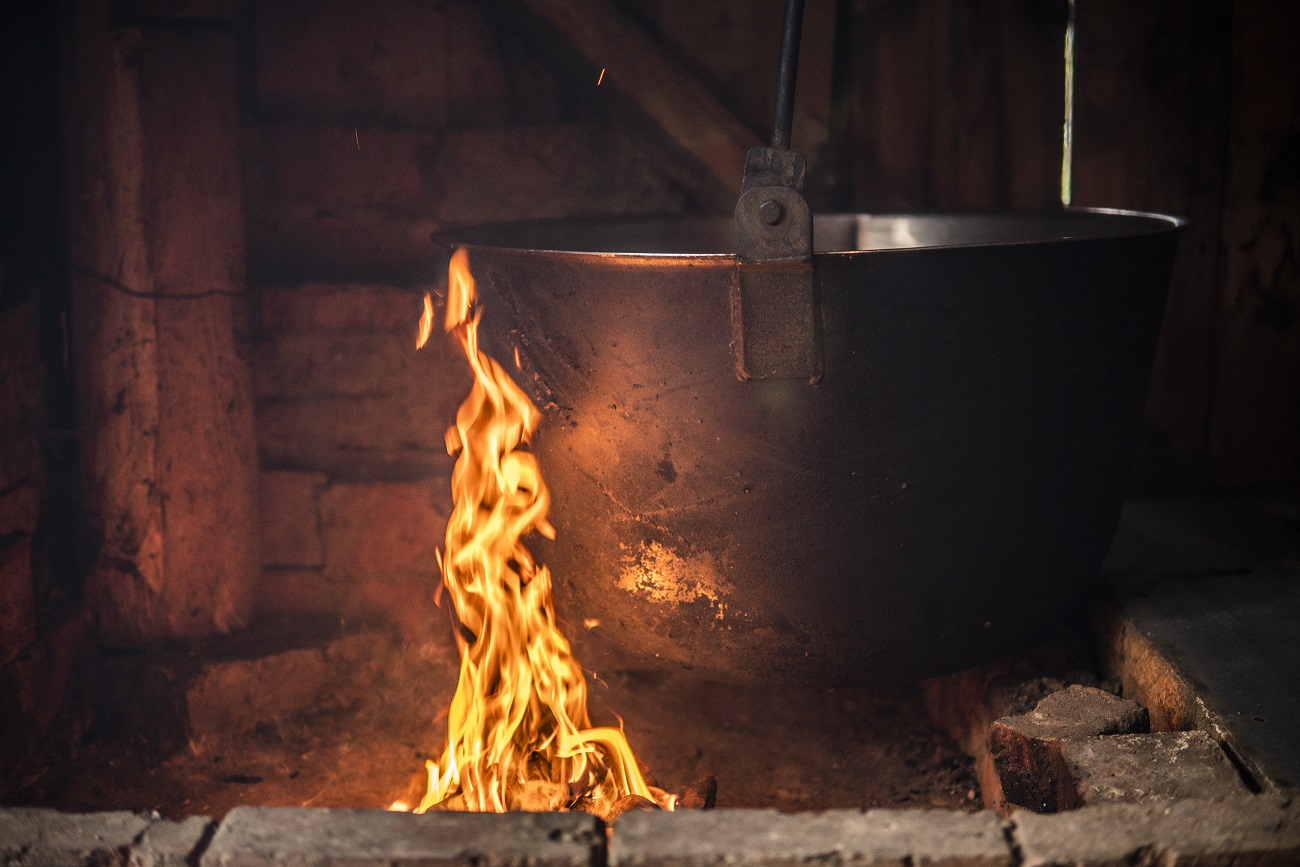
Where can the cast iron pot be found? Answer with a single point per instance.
(943, 494)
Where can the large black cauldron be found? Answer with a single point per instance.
(943, 493)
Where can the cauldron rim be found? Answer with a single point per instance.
(698, 236)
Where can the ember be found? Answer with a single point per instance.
(519, 735)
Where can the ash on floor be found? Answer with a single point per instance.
(791, 749)
(786, 748)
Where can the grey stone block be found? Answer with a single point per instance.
(32, 837)
(1026, 749)
(1082, 711)
(1250, 831)
(19, 829)
(693, 839)
(296, 837)
(171, 844)
(1160, 766)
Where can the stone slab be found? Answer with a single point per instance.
(1251, 831)
(1144, 767)
(1081, 712)
(297, 837)
(894, 837)
(1204, 535)
(48, 838)
(1026, 749)
(1210, 584)
(172, 844)
(19, 829)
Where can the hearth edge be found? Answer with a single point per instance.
(1251, 829)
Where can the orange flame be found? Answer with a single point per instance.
(426, 322)
(518, 732)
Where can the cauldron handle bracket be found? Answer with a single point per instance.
(774, 317)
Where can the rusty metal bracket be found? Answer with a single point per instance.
(775, 319)
(772, 219)
(775, 324)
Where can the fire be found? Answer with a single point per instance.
(518, 733)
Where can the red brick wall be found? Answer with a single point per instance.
(350, 423)
(376, 125)
(373, 126)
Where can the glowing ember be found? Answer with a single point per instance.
(518, 733)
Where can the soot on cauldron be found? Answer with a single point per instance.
(941, 495)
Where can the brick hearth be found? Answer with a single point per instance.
(1259, 829)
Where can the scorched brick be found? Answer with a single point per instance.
(1026, 749)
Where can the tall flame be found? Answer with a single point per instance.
(518, 733)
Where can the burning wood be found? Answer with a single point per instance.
(629, 804)
(519, 736)
(700, 795)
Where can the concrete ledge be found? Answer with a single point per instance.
(257, 836)
(1027, 749)
(172, 844)
(1255, 830)
(31, 837)
(1246, 831)
(1165, 766)
(693, 839)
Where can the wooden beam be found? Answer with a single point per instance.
(1150, 133)
(957, 105)
(733, 46)
(708, 139)
(157, 258)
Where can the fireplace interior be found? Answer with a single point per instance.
(225, 483)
